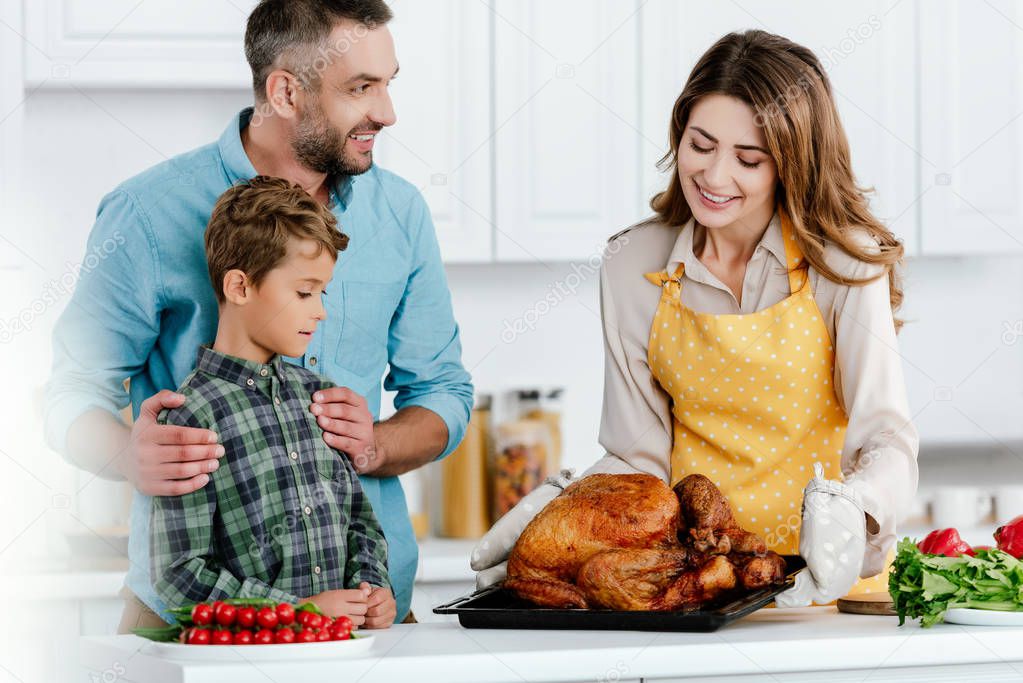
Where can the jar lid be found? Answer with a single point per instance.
(526, 431)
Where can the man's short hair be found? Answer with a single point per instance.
(252, 222)
(293, 35)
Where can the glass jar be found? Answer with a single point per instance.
(521, 453)
(465, 509)
(545, 404)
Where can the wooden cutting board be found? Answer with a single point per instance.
(867, 603)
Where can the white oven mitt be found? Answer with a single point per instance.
(489, 557)
(832, 540)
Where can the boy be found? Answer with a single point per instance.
(284, 515)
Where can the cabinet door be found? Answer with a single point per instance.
(441, 142)
(565, 126)
(127, 43)
(867, 50)
(971, 127)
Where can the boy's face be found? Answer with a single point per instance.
(282, 312)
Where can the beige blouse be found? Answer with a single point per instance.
(879, 456)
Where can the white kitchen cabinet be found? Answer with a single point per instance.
(533, 128)
(566, 99)
(868, 51)
(133, 44)
(441, 142)
(971, 100)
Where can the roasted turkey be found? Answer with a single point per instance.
(629, 542)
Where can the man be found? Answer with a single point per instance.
(321, 71)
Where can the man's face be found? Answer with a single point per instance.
(337, 126)
(287, 305)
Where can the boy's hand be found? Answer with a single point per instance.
(381, 609)
(347, 426)
(166, 460)
(351, 602)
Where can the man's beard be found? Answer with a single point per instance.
(318, 146)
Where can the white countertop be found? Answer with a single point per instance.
(759, 647)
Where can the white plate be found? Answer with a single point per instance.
(983, 617)
(331, 649)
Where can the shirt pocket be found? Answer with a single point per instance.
(366, 312)
(334, 484)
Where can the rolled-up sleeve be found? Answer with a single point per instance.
(108, 329)
(879, 458)
(423, 342)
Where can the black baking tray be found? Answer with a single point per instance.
(495, 607)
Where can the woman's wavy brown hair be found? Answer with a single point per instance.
(789, 92)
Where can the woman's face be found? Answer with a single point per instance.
(724, 154)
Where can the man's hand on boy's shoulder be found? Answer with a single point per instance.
(167, 459)
(347, 426)
(381, 609)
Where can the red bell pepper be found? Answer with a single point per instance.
(1010, 537)
(944, 542)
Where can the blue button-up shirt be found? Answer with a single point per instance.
(144, 304)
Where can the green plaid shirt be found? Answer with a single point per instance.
(284, 517)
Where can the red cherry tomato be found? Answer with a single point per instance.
(243, 637)
(246, 617)
(285, 635)
(225, 614)
(345, 621)
(306, 635)
(198, 636)
(340, 633)
(285, 613)
(314, 621)
(302, 617)
(222, 637)
(202, 614)
(264, 636)
(266, 617)
(323, 634)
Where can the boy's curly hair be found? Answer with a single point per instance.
(252, 222)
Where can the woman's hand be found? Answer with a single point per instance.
(489, 555)
(832, 540)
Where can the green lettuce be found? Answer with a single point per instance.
(926, 586)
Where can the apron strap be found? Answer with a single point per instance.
(794, 258)
(671, 285)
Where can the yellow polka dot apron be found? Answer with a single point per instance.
(753, 401)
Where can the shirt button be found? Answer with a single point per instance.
(316, 569)
(312, 360)
(263, 372)
(277, 400)
(293, 455)
(308, 510)
(249, 382)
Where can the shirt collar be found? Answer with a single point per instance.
(682, 252)
(236, 161)
(247, 373)
(239, 166)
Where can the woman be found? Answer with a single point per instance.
(749, 326)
